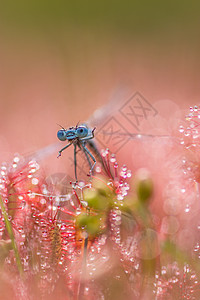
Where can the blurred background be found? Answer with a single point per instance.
(60, 60)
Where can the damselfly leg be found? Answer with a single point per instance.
(59, 153)
(86, 151)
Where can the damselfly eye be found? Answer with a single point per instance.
(82, 131)
(61, 134)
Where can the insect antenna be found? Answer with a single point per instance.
(77, 124)
(61, 126)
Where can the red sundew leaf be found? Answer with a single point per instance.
(66, 211)
(13, 202)
(177, 282)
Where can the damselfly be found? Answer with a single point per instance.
(79, 136)
(82, 136)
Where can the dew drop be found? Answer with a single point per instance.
(98, 169)
(16, 159)
(113, 158)
(181, 129)
(115, 165)
(78, 211)
(43, 201)
(187, 132)
(22, 204)
(120, 197)
(35, 181)
(187, 208)
(1, 227)
(81, 184)
(129, 173)
(196, 247)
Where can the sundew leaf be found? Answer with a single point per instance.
(177, 254)
(12, 237)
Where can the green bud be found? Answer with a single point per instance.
(95, 200)
(91, 224)
(144, 186)
(100, 185)
(81, 220)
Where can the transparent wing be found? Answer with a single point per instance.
(112, 105)
(43, 153)
(123, 114)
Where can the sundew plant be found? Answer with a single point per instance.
(119, 234)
